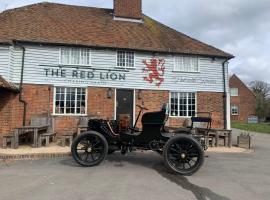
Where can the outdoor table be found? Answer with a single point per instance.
(24, 129)
(217, 133)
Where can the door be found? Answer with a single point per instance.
(124, 103)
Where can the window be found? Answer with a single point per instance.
(235, 110)
(75, 56)
(234, 92)
(125, 59)
(70, 101)
(183, 104)
(186, 64)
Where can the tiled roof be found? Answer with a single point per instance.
(6, 85)
(95, 27)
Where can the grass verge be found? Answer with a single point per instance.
(260, 128)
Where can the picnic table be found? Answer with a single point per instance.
(35, 130)
(226, 134)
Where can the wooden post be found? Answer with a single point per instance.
(16, 138)
(35, 138)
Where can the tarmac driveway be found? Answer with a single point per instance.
(141, 176)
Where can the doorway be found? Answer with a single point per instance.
(125, 103)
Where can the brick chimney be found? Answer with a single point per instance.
(131, 9)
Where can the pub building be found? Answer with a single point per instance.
(68, 62)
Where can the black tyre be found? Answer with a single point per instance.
(183, 155)
(89, 149)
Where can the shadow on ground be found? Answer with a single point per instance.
(155, 163)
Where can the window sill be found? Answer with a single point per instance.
(125, 68)
(177, 117)
(74, 65)
(174, 71)
(70, 115)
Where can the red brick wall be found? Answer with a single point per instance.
(206, 102)
(128, 8)
(212, 102)
(9, 112)
(98, 103)
(40, 103)
(39, 100)
(246, 100)
(6, 107)
(153, 100)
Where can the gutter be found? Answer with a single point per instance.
(225, 96)
(21, 99)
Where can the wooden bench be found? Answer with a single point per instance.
(45, 137)
(8, 139)
(66, 138)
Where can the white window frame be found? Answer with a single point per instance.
(196, 105)
(234, 95)
(70, 114)
(235, 107)
(80, 60)
(125, 67)
(188, 71)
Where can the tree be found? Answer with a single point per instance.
(260, 88)
(262, 91)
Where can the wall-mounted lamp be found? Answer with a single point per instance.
(109, 93)
(140, 94)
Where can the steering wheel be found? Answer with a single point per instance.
(142, 108)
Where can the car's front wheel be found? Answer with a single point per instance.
(89, 149)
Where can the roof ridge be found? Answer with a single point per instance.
(185, 35)
(50, 3)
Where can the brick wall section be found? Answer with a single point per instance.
(39, 100)
(9, 112)
(153, 100)
(206, 102)
(6, 99)
(246, 100)
(128, 8)
(212, 102)
(40, 103)
(98, 103)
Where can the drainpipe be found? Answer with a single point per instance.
(21, 83)
(225, 96)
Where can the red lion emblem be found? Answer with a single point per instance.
(155, 70)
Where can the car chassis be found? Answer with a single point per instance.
(183, 154)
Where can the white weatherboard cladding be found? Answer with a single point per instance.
(4, 61)
(39, 58)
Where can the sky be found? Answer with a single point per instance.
(239, 27)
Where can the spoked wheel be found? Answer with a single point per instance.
(183, 155)
(89, 149)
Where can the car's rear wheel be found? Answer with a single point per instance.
(89, 149)
(183, 155)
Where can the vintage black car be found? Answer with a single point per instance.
(182, 153)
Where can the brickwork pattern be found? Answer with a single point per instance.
(127, 8)
(212, 102)
(246, 100)
(40, 103)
